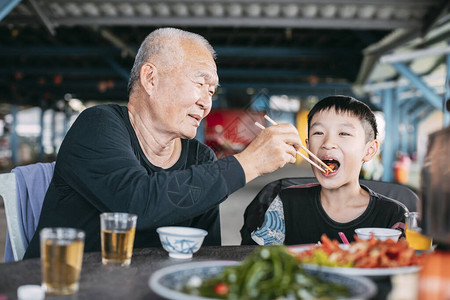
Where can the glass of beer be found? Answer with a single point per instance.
(414, 236)
(61, 259)
(117, 234)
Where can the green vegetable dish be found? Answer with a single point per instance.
(268, 273)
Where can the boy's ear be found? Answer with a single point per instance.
(371, 150)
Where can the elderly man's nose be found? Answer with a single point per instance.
(205, 100)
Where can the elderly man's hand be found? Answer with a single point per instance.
(274, 147)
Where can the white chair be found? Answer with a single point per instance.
(9, 194)
(23, 192)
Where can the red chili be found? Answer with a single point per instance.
(221, 288)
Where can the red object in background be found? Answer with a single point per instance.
(229, 131)
(57, 79)
(401, 169)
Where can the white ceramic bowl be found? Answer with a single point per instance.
(381, 234)
(181, 242)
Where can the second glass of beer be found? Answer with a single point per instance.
(117, 235)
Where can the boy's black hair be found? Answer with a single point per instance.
(349, 105)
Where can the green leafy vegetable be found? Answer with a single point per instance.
(268, 273)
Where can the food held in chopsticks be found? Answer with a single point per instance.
(268, 273)
(370, 253)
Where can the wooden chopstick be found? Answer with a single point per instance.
(303, 147)
(298, 152)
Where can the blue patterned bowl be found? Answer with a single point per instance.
(181, 242)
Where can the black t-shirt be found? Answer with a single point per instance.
(101, 168)
(306, 220)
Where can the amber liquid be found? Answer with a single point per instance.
(61, 266)
(416, 240)
(117, 246)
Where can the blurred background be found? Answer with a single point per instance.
(58, 57)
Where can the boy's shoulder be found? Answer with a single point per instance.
(384, 202)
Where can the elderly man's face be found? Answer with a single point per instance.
(186, 92)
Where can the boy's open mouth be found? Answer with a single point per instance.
(333, 164)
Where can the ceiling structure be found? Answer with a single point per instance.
(86, 47)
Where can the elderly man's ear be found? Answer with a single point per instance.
(148, 77)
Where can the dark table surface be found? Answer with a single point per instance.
(109, 282)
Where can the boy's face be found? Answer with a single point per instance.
(339, 139)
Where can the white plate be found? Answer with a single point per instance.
(369, 272)
(168, 281)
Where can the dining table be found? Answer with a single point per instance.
(98, 281)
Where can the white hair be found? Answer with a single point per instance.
(163, 46)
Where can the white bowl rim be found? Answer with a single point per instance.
(193, 232)
(377, 231)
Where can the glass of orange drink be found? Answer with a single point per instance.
(414, 236)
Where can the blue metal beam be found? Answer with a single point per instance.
(6, 6)
(284, 52)
(408, 104)
(116, 67)
(416, 114)
(289, 86)
(403, 142)
(265, 73)
(404, 109)
(58, 51)
(396, 128)
(413, 118)
(279, 52)
(376, 104)
(424, 113)
(427, 92)
(89, 88)
(223, 73)
(398, 91)
(334, 88)
(293, 89)
(388, 147)
(67, 84)
(413, 148)
(405, 136)
(54, 71)
(42, 16)
(415, 122)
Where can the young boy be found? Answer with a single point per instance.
(342, 132)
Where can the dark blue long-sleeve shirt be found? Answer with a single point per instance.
(101, 168)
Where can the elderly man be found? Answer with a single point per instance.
(144, 159)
